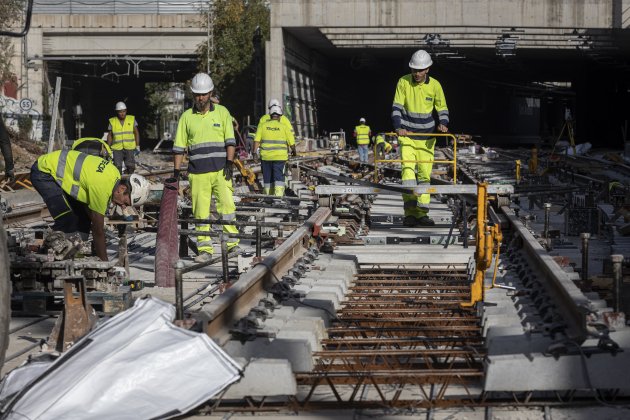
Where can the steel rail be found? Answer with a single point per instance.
(571, 302)
(220, 314)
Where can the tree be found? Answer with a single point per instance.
(10, 12)
(233, 23)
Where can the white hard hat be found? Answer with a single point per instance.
(275, 109)
(139, 189)
(201, 83)
(273, 102)
(362, 120)
(420, 60)
(120, 106)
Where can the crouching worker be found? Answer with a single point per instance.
(77, 189)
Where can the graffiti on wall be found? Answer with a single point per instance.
(13, 110)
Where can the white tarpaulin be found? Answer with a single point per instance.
(137, 365)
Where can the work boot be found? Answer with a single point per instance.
(426, 221)
(234, 248)
(410, 221)
(203, 257)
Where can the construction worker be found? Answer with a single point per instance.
(283, 119)
(363, 133)
(274, 140)
(417, 95)
(5, 147)
(206, 132)
(124, 139)
(77, 189)
(382, 146)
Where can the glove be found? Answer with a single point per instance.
(136, 152)
(177, 174)
(293, 151)
(9, 175)
(228, 170)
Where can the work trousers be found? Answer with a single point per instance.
(70, 215)
(416, 173)
(273, 177)
(203, 186)
(363, 152)
(126, 156)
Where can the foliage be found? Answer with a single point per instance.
(10, 12)
(233, 23)
(160, 106)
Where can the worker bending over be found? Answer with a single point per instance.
(274, 140)
(206, 132)
(363, 133)
(417, 95)
(382, 146)
(124, 138)
(77, 189)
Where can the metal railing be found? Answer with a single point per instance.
(121, 7)
(451, 162)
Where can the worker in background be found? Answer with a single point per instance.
(363, 133)
(382, 146)
(124, 138)
(5, 147)
(417, 95)
(206, 132)
(283, 119)
(77, 189)
(274, 140)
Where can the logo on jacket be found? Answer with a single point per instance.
(217, 124)
(273, 128)
(428, 98)
(101, 166)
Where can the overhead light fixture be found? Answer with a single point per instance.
(506, 45)
(435, 40)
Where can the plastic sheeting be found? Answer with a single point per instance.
(137, 365)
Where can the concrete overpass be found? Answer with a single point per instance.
(104, 52)
(509, 67)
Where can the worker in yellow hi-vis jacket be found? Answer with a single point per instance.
(417, 95)
(274, 140)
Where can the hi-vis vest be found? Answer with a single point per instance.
(86, 178)
(363, 134)
(205, 136)
(274, 138)
(123, 133)
(284, 120)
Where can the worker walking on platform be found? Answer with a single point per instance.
(124, 138)
(363, 133)
(77, 189)
(274, 140)
(206, 132)
(283, 119)
(417, 95)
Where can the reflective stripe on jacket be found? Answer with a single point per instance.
(362, 133)
(123, 136)
(88, 179)
(284, 120)
(205, 136)
(274, 139)
(414, 103)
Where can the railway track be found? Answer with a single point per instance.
(357, 311)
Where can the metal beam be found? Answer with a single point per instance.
(420, 189)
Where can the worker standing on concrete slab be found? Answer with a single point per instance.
(363, 133)
(77, 189)
(274, 140)
(206, 132)
(417, 95)
(124, 138)
(283, 119)
(7, 153)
